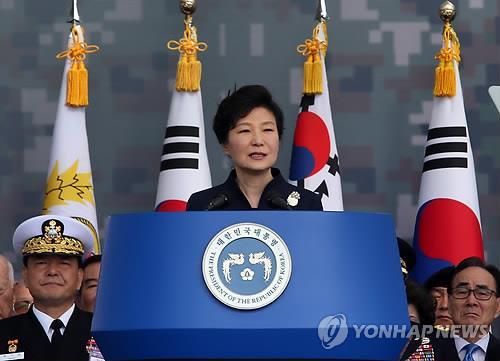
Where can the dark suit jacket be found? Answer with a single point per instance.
(445, 350)
(33, 341)
(238, 202)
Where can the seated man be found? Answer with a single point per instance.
(53, 328)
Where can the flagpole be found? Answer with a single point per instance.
(321, 13)
(448, 222)
(74, 16)
(184, 173)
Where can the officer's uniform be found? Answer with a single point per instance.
(24, 333)
(440, 346)
(293, 197)
(24, 336)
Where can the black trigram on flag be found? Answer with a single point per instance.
(448, 140)
(181, 148)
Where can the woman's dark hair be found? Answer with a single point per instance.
(418, 296)
(239, 104)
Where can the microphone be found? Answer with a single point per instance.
(219, 201)
(276, 201)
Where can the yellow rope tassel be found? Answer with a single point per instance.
(313, 66)
(77, 94)
(317, 75)
(195, 72)
(72, 88)
(445, 83)
(188, 77)
(83, 84)
(308, 74)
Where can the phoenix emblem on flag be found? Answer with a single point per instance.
(68, 186)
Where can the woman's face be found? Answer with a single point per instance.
(253, 143)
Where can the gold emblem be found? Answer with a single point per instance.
(53, 240)
(13, 345)
(293, 199)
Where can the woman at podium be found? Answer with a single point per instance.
(249, 125)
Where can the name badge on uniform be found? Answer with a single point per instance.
(12, 356)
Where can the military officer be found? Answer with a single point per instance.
(53, 328)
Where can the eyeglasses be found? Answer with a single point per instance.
(482, 294)
(21, 307)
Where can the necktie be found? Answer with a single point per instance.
(469, 350)
(56, 325)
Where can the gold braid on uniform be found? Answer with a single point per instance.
(53, 241)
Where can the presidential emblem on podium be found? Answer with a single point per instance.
(247, 266)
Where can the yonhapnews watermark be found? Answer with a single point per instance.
(333, 331)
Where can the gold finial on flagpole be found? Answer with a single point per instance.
(445, 84)
(312, 49)
(188, 7)
(189, 67)
(447, 12)
(77, 93)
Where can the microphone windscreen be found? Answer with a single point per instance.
(275, 200)
(219, 201)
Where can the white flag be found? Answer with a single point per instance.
(315, 160)
(184, 162)
(70, 189)
(448, 225)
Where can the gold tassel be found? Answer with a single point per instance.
(77, 94)
(317, 75)
(83, 85)
(313, 66)
(308, 74)
(188, 78)
(445, 83)
(195, 72)
(72, 85)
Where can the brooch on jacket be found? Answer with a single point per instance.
(293, 199)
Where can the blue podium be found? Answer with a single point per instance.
(344, 299)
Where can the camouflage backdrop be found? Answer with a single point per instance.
(380, 63)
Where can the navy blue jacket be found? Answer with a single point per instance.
(296, 198)
(31, 339)
(445, 350)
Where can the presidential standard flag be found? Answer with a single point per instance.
(448, 225)
(184, 162)
(70, 189)
(315, 160)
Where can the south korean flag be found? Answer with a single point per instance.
(448, 225)
(315, 161)
(184, 162)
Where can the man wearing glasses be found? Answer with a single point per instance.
(474, 303)
(22, 298)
